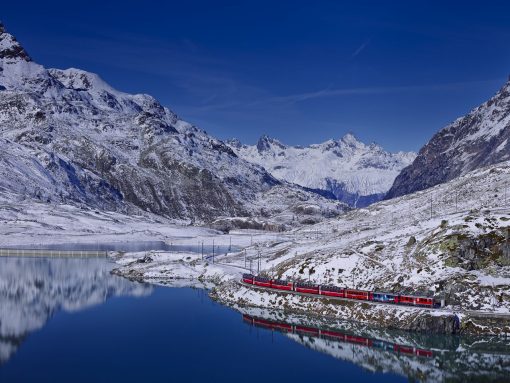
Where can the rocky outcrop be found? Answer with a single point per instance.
(480, 252)
(10, 48)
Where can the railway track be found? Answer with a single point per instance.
(473, 313)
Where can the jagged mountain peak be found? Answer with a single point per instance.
(351, 139)
(354, 172)
(10, 48)
(265, 143)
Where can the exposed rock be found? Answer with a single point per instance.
(476, 140)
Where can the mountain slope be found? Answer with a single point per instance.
(355, 173)
(67, 136)
(478, 139)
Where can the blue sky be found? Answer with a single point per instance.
(393, 72)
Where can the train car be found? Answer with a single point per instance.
(425, 353)
(280, 284)
(332, 291)
(358, 340)
(385, 297)
(404, 349)
(406, 300)
(424, 301)
(261, 281)
(358, 294)
(383, 345)
(308, 288)
(414, 300)
(260, 322)
(283, 327)
(248, 278)
(333, 334)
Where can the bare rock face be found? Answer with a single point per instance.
(68, 136)
(476, 140)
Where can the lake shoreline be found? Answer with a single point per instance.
(222, 280)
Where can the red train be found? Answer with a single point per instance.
(335, 291)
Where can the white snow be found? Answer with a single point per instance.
(344, 165)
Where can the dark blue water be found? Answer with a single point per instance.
(160, 334)
(172, 335)
(70, 320)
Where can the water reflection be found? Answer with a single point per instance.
(414, 356)
(32, 290)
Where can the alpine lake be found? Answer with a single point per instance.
(71, 320)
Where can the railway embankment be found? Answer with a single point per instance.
(414, 319)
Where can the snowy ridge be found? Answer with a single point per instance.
(478, 139)
(354, 172)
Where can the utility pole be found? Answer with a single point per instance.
(245, 258)
(230, 245)
(202, 250)
(430, 207)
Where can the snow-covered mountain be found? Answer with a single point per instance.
(66, 136)
(478, 139)
(354, 172)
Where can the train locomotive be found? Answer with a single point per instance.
(341, 292)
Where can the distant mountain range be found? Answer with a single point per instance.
(355, 173)
(69, 137)
(478, 139)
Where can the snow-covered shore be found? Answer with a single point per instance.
(449, 240)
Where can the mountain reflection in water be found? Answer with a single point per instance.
(414, 356)
(33, 289)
